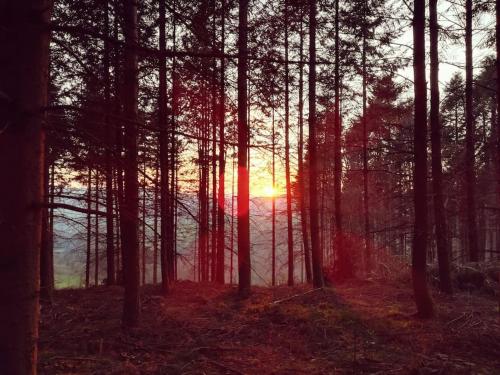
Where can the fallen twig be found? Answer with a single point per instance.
(295, 296)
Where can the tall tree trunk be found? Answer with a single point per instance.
(143, 224)
(110, 244)
(97, 234)
(155, 226)
(164, 167)
(287, 157)
(316, 252)
(443, 246)
(470, 174)
(419, 253)
(222, 150)
(366, 207)
(131, 272)
(344, 260)
(23, 84)
(231, 263)
(96, 238)
(243, 135)
(301, 173)
(497, 38)
(273, 208)
(89, 227)
(213, 112)
(46, 250)
(172, 259)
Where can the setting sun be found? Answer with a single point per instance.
(269, 191)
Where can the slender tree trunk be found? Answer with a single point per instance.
(344, 261)
(222, 159)
(155, 226)
(173, 187)
(214, 124)
(443, 247)
(23, 83)
(231, 267)
(164, 167)
(96, 238)
(366, 207)
(287, 158)
(419, 254)
(470, 174)
(131, 272)
(497, 39)
(89, 228)
(273, 209)
(110, 245)
(243, 135)
(143, 232)
(316, 252)
(301, 172)
(46, 251)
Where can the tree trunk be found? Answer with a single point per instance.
(110, 244)
(89, 227)
(96, 238)
(23, 84)
(366, 207)
(344, 261)
(46, 251)
(155, 227)
(443, 246)
(131, 272)
(316, 252)
(273, 208)
(164, 167)
(222, 160)
(301, 173)
(243, 135)
(470, 174)
(419, 254)
(287, 158)
(497, 36)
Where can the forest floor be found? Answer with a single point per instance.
(362, 327)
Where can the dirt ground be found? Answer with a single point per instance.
(361, 327)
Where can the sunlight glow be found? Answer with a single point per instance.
(269, 191)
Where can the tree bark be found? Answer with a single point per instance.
(222, 160)
(23, 84)
(442, 243)
(366, 206)
(164, 167)
(470, 174)
(287, 158)
(302, 191)
(316, 252)
(244, 272)
(110, 244)
(419, 254)
(131, 272)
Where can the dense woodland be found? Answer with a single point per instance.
(288, 147)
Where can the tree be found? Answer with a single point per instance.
(497, 40)
(287, 155)
(243, 136)
(316, 252)
(23, 98)
(164, 170)
(130, 210)
(419, 254)
(443, 246)
(222, 159)
(470, 174)
(344, 261)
